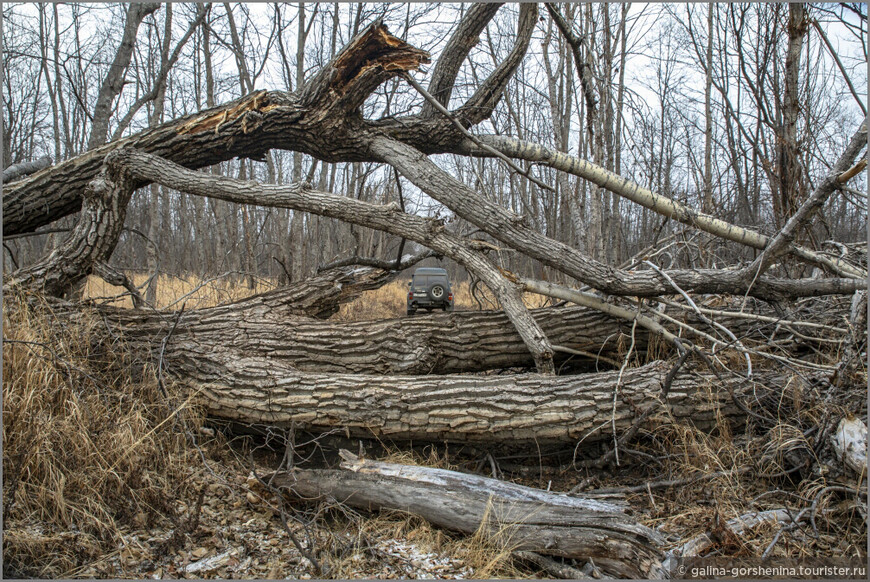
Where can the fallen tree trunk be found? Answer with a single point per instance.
(512, 516)
(269, 325)
(518, 410)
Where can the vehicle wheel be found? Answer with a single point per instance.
(449, 309)
(436, 292)
(411, 312)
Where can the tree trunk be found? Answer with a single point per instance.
(512, 516)
(517, 411)
(277, 325)
(790, 174)
(114, 81)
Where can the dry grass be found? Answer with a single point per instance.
(173, 291)
(87, 450)
(383, 303)
(750, 477)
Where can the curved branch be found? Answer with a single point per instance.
(480, 106)
(624, 187)
(91, 241)
(513, 230)
(460, 44)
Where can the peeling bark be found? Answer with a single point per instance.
(517, 517)
(320, 119)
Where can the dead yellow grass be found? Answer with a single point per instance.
(174, 291)
(383, 303)
(86, 449)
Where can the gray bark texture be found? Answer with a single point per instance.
(516, 517)
(508, 411)
(16, 171)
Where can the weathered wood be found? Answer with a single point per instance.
(389, 218)
(533, 152)
(92, 240)
(517, 517)
(514, 231)
(850, 444)
(16, 171)
(270, 326)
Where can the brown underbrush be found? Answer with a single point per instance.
(87, 449)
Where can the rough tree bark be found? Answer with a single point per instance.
(429, 232)
(277, 325)
(525, 410)
(322, 118)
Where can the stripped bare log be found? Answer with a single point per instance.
(16, 171)
(513, 516)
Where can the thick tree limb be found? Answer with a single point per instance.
(16, 171)
(656, 202)
(91, 241)
(463, 39)
(114, 81)
(277, 325)
(508, 411)
(520, 518)
(511, 229)
(319, 119)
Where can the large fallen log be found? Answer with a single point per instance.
(513, 516)
(469, 341)
(272, 325)
(509, 411)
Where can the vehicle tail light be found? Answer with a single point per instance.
(450, 297)
(411, 295)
